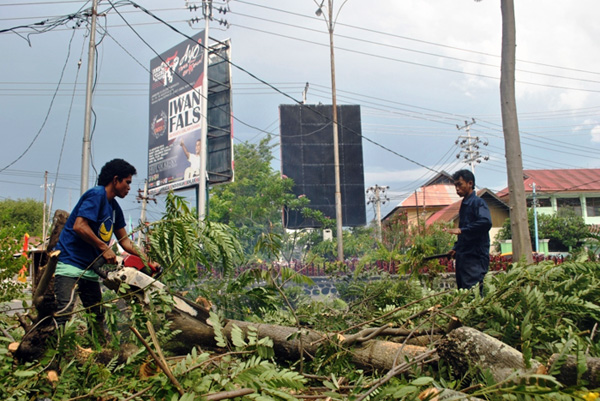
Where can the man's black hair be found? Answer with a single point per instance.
(118, 167)
(466, 175)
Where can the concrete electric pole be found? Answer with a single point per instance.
(144, 198)
(470, 146)
(336, 150)
(86, 150)
(377, 198)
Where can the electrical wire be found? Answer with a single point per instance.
(48, 111)
(267, 132)
(263, 82)
(419, 40)
(387, 45)
(62, 147)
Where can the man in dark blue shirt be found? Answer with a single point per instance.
(87, 234)
(472, 248)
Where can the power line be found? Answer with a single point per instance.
(364, 53)
(49, 108)
(276, 89)
(377, 43)
(419, 40)
(44, 3)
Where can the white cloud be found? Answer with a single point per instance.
(595, 133)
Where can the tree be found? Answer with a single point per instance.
(11, 243)
(512, 143)
(253, 203)
(26, 212)
(564, 229)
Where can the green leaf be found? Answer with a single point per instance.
(405, 391)
(422, 381)
(237, 337)
(25, 373)
(215, 322)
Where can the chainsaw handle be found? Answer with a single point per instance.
(96, 267)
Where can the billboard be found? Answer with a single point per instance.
(176, 106)
(307, 157)
(220, 126)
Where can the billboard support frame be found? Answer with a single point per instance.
(202, 196)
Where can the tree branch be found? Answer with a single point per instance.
(159, 362)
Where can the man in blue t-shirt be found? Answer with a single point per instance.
(86, 236)
(472, 248)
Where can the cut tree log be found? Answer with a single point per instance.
(443, 394)
(466, 347)
(33, 343)
(568, 371)
(288, 343)
(58, 222)
(42, 288)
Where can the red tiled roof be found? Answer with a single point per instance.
(450, 212)
(432, 195)
(560, 180)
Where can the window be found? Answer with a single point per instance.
(541, 202)
(592, 206)
(569, 204)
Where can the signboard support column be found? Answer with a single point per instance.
(202, 196)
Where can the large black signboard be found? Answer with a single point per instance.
(307, 157)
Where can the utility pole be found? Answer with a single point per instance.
(336, 151)
(44, 226)
(377, 198)
(304, 93)
(470, 146)
(535, 219)
(85, 154)
(143, 197)
(417, 207)
(202, 189)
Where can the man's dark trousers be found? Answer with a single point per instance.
(89, 293)
(470, 270)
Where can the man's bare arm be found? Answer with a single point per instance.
(187, 153)
(129, 247)
(83, 229)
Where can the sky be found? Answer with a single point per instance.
(419, 69)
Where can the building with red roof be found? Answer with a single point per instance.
(437, 202)
(432, 197)
(577, 190)
(499, 211)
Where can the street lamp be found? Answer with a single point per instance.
(336, 151)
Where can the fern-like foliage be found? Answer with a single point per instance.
(180, 243)
(532, 307)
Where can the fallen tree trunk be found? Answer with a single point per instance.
(463, 348)
(289, 343)
(466, 347)
(442, 394)
(568, 371)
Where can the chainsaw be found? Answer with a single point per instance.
(142, 283)
(127, 260)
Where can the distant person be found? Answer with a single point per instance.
(87, 235)
(194, 159)
(472, 248)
